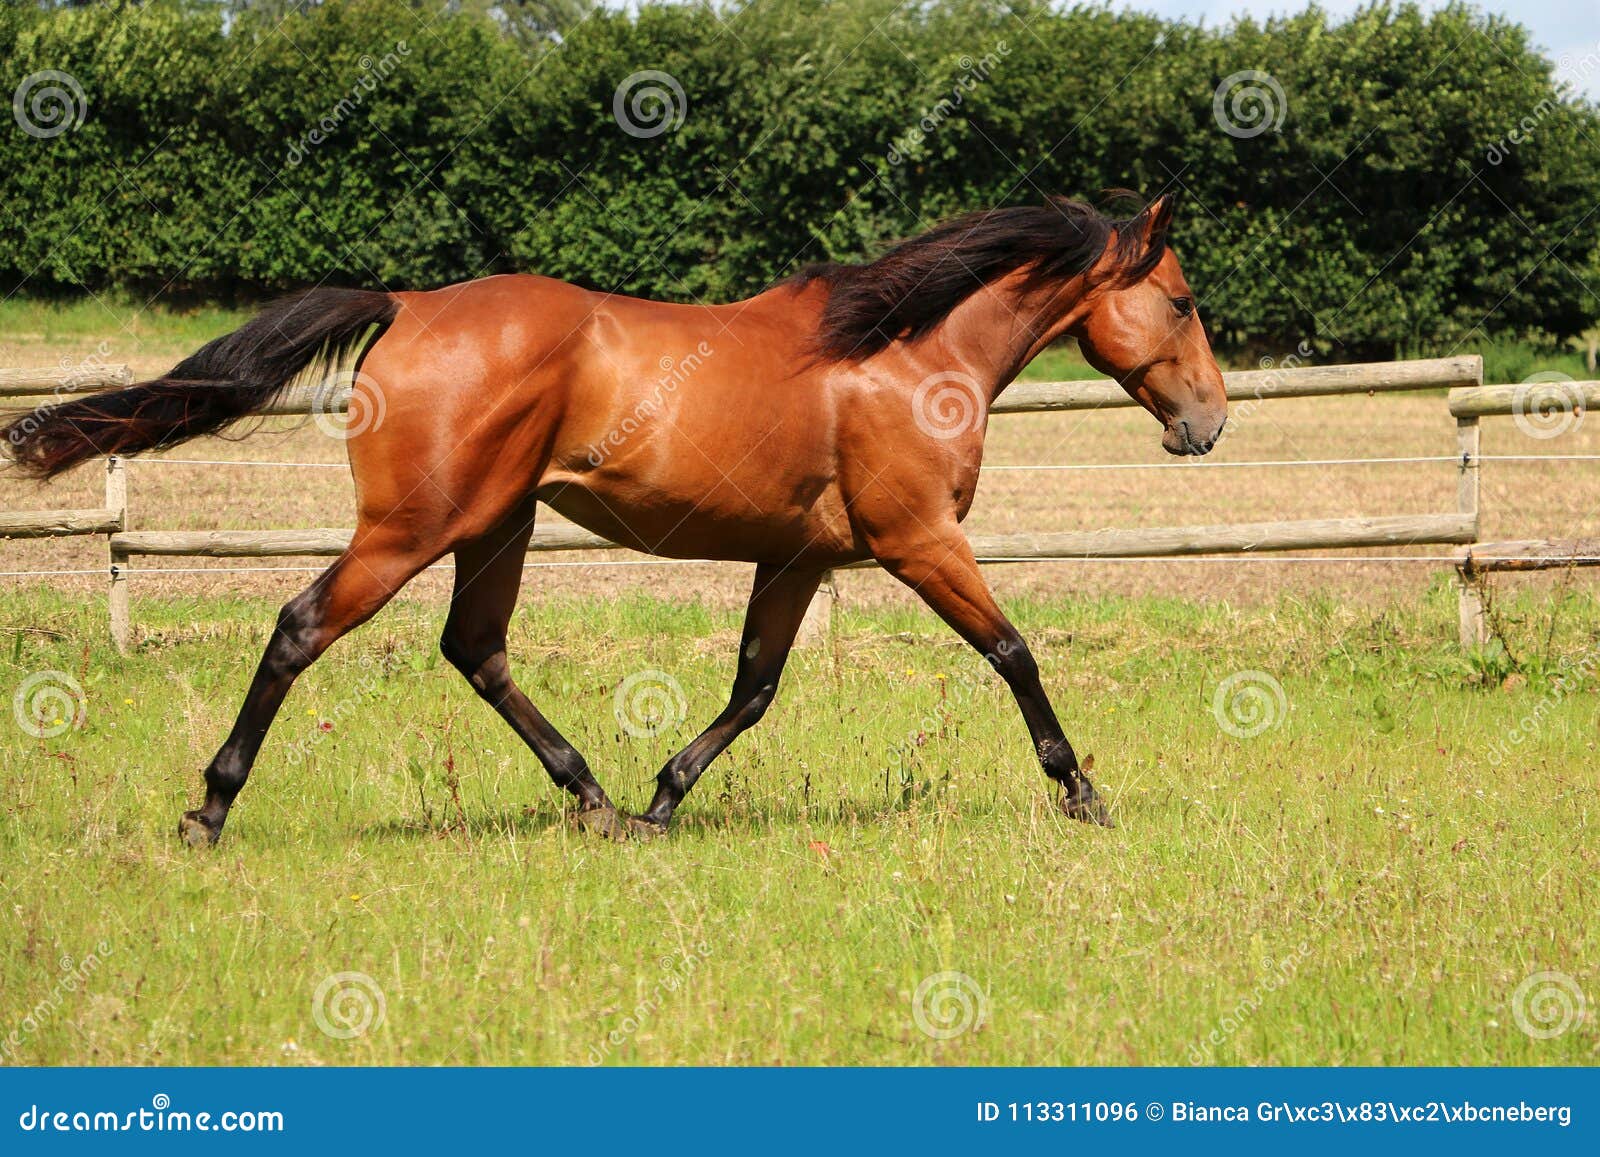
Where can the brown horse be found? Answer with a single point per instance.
(838, 416)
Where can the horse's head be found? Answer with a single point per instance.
(1142, 327)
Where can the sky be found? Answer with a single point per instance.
(1565, 29)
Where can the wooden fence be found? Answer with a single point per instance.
(1469, 401)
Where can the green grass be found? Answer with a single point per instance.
(886, 823)
(1059, 364)
(1514, 361)
(132, 327)
(119, 320)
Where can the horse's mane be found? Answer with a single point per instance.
(916, 284)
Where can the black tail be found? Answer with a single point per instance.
(226, 380)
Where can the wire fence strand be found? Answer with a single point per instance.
(1329, 559)
(1192, 465)
(231, 462)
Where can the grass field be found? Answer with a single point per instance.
(1369, 879)
(1372, 878)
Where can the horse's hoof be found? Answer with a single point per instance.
(1080, 802)
(194, 831)
(642, 829)
(600, 821)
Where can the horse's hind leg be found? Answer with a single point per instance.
(378, 563)
(488, 577)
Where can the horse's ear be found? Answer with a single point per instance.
(1156, 221)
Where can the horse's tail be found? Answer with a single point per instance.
(233, 376)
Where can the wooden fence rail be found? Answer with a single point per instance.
(1468, 401)
(1527, 399)
(67, 380)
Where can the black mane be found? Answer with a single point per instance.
(914, 286)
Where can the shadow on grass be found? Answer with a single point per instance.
(507, 821)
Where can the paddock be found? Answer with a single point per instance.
(1343, 839)
(1544, 409)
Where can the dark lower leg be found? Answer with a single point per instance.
(488, 580)
(344, 596)
(778, 603)
(225, 776)
(1016, 665)
(491, 678)
(752, 694)
(946, 575)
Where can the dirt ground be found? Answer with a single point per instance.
(1548, 497)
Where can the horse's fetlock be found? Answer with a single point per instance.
(672, 778)
(1059, 761)
(226, 779)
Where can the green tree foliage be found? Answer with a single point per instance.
(1423, 177)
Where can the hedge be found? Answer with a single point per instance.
(1423, 178)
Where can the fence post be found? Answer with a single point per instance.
(1472, 621)
(117, 594)
(818, 622)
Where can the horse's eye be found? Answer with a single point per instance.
(1184, 305)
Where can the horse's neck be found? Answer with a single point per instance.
(1000, 329)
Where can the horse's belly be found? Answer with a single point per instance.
(726, 522)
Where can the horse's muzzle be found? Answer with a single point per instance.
(1181, 439)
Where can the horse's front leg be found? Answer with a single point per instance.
(940, 567)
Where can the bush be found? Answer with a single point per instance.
(1428, 181)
